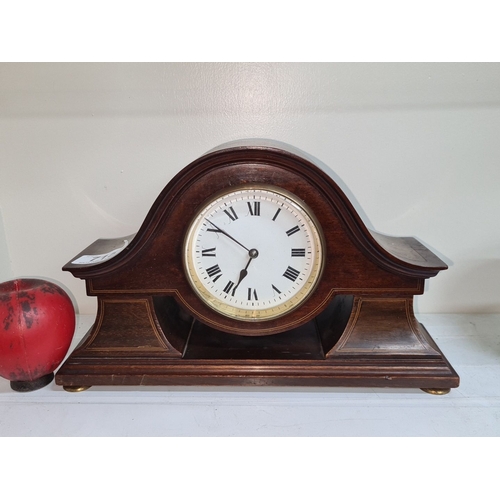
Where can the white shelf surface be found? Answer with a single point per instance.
(470, 342)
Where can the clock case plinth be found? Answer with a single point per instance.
(357, 329)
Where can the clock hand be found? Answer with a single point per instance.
(219, 230)
(243, 273)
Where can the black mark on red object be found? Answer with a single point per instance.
(49, 288)
(5, 298)
(9, 319)
(27, 295)
(25, 306)
(27, 313)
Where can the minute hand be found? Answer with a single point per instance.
(219, 230)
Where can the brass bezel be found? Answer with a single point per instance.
(247, 315)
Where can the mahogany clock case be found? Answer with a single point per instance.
(357, 328)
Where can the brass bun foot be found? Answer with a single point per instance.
(76, 388)
(437, 392)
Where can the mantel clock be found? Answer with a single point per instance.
(252, 267)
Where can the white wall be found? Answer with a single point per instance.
(86, 148)
(5, 266)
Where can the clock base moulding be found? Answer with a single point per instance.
(356, 327)
(390, 349)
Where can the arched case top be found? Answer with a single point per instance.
(358, 260)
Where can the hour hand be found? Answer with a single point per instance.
(243, 274)
(253, 254)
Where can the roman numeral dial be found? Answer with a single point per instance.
(254, 207)
(291, 273)
(254, 253)
(208, 252)
(231, 213)
(298, 252)
(214, 272)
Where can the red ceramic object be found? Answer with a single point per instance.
(37, 323)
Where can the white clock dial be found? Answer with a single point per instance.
(254, 254)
